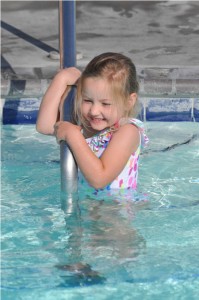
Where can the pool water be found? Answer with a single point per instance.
(56, 247)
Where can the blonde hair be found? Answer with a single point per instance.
(120, 72)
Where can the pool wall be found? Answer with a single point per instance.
(165, 95)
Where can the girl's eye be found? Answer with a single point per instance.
(87, 100)
(106, 104)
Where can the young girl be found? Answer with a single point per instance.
(106, 139)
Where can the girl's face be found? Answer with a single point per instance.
(98, 106)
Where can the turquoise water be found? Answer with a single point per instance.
(135, 250)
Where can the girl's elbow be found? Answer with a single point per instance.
(40, 128)
(43, 129)
(98, 184)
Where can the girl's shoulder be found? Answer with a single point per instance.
(133, 121)
(140, 125)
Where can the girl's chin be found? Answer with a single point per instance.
(98, 124)
(97, 128)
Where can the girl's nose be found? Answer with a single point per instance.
(94, 110)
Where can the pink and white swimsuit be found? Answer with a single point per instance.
(127, 179)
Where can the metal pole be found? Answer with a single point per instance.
(67, 33)
(67, 59)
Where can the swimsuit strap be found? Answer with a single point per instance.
(140, 125)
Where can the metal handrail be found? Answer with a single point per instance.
(67, 59)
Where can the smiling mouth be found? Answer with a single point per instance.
(96, 119)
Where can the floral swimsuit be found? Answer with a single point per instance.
(127, 179)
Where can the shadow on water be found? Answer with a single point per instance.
(75, 272)
(101, 237)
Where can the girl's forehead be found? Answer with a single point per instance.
(95, 81)
(97, 86)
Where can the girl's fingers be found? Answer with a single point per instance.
(59, 141)
(62, 129)
(56, 127)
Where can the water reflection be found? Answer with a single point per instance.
(101, 235)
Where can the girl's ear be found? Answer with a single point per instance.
(132, 100)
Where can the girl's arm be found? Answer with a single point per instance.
(55, 94)
(100, 171)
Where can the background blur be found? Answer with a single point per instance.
(155, 34)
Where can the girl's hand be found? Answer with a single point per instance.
(69, 75)
(64, 130)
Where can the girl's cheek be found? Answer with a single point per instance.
(83, 110)
(84, 107)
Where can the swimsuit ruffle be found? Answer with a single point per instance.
(102, 139)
